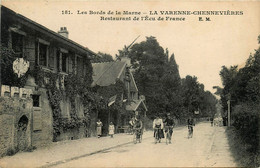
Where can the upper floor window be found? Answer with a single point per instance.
(16, 41)
(36, 100)
(62, 60)
(43, 52)
(17, 44)
(80, 64)
(64, 63)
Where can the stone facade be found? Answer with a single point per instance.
(15, 121)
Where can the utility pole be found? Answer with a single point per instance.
(228, 102)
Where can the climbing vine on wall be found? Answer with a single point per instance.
(118, 89)
(8, 76)
(75, 86)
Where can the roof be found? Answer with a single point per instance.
(135, 104)
(133, 86)
(106, 73)
(41, 28)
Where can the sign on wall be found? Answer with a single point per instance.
(20, 66)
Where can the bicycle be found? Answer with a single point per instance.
(137, 136)
(157, 138)
(130, 130)
(190, 131)
(168, 130)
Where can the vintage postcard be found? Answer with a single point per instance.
(129, 83)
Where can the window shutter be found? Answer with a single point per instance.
(37, 53)
(70, 64)
(67, 63)
(58, 60)
(51, 57)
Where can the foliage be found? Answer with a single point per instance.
(75, 86)
(8, 76)
(101, 57)
(12, 151)
(242, 87)
(246, 121)
(240, 151)
(158, 79)
(115, 89)
(30, 148)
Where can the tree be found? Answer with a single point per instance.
(159, 80)
(228, 77)
(102, 57)
(243, 86)
(149, 68)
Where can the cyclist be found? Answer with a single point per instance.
(158, 126)
(190, 126)
(169, 124)
(138, 126)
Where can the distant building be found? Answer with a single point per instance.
(108, 74)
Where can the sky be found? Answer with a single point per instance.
(201, 48)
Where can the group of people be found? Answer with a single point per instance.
(111, 129)
(159, 125)
(168, 123)
(136, 123)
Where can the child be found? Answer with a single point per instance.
(111, 129)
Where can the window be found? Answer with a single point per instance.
(17, 44)
(43, 54)
(64, 64)
(62, 60)
(36, 100)
(58, 61)
(80, 64)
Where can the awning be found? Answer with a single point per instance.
(133, 106)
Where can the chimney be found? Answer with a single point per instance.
(64, 32)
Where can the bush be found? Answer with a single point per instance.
(246, 121)
(12, 151)
(239, 150)
(30, 148)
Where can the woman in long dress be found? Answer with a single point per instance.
(158, 124)
(111, 130)
(99, 128)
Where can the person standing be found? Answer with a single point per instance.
(111, 130)
(131, 125)
(211, 121)
(99, 128)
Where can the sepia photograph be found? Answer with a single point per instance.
(149, 83)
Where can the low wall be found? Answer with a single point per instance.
(15, 124)
(71, 134)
